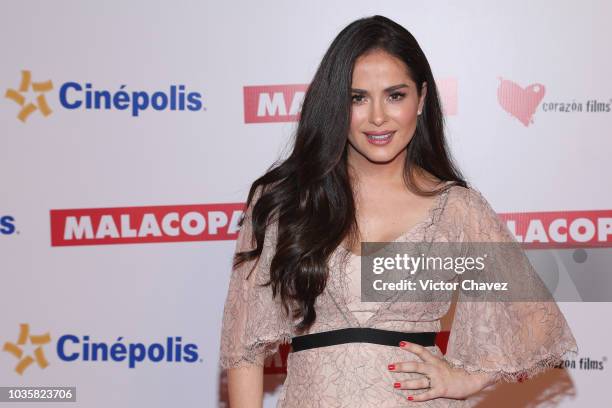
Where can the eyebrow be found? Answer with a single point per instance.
(389, 89)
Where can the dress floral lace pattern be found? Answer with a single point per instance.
(514, 340)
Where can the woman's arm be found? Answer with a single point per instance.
(245, 386)
(254, 322)
(484, 379)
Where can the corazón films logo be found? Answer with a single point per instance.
(518, 101)
(73, 95)
(522, 103)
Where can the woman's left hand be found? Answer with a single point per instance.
(444, 381)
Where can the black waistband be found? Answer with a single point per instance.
(361, 335)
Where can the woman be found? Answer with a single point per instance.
(369, 163)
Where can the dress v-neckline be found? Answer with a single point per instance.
(349, 316)
(428, 219)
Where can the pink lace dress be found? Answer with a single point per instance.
(511, 339)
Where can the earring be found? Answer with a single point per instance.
(419, 112)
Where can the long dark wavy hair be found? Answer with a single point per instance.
(309, 193)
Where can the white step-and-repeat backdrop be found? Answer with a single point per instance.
(131, 131)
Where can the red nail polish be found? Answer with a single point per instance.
(397, 385)
(403, 343)
(391, 367)
(410, 398)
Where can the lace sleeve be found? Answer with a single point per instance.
(254, 323)
(513, 339)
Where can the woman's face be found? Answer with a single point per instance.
(385, 106)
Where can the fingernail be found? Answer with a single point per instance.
(391, 367)
(403, 343)
(397, 385)
(410, 398)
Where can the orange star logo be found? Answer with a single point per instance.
(36, 340)
(38, 87)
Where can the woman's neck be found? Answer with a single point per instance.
(367, 174)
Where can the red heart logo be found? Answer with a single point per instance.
(520, 102)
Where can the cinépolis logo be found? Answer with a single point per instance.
(73, 348)
(42, 96)
(24, 341)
